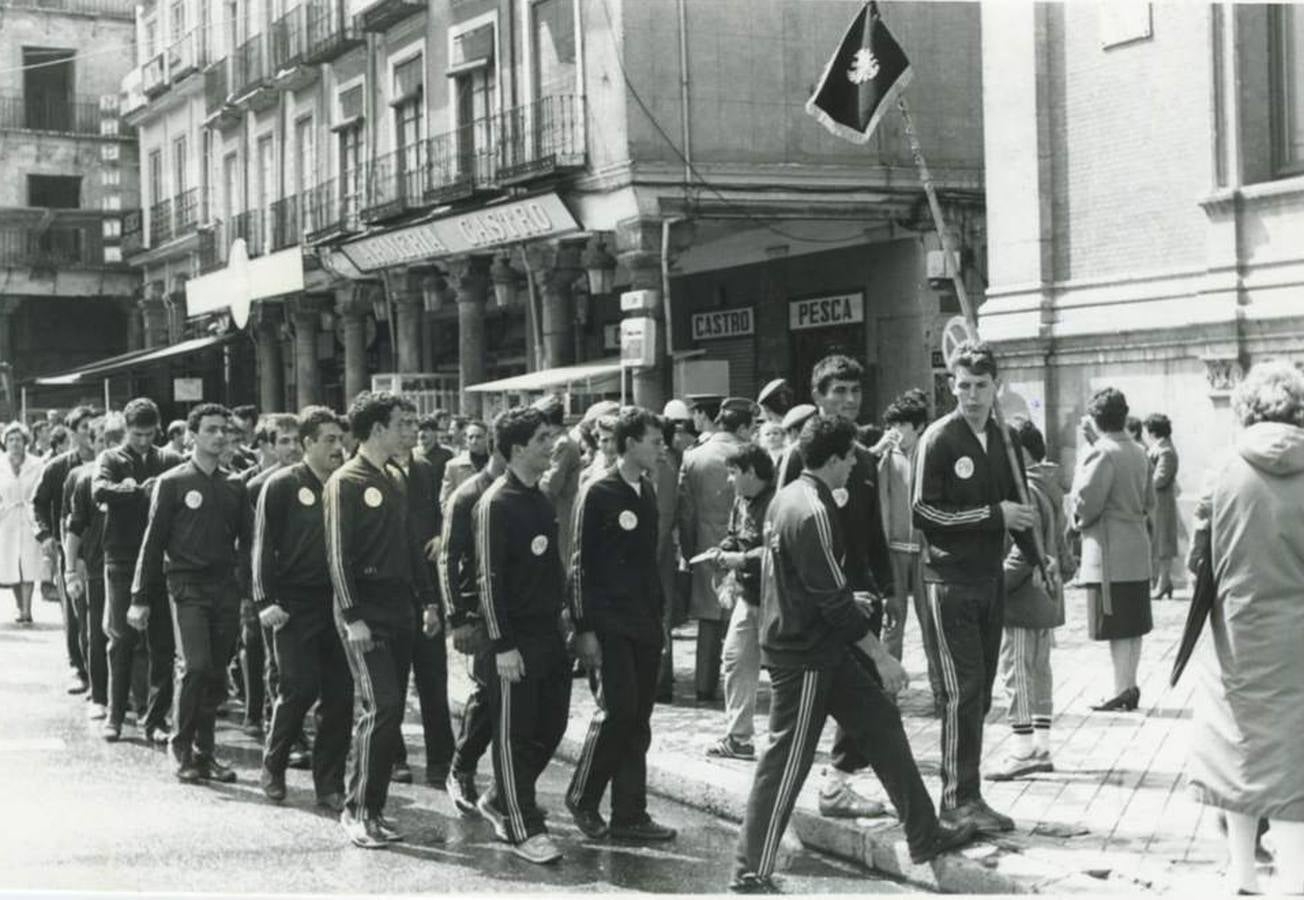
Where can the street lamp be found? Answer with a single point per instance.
(379, 308)
(503, 277)
(599, 266)
(434, 290)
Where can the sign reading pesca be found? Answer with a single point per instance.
(723, 323)
(826, 312)
(484, 229)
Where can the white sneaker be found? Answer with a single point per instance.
(840, 801)
(537, 848)
(96, 711)
(1015, 766)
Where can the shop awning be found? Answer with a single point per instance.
(121, 363)
(598, 376)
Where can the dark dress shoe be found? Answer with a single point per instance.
(437, 777)
(402, 774)
(945, 839)
(273, 785)
(333, 801)
(588, 821)
(748, 883)
(157, 735)
(212, 770)
(189, 772)
(462, 791)
(387, 829)
(299, 759)
(643, 830)
(1124, 702)
(978, 814)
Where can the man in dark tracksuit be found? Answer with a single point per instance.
(521, 593)
(616, 607)
(458, 584)
(375, 569)
(123, 482)
(429, 651)
(810, 621)
(292, 592)
(48, 510)
(965, 499)
(196, 517)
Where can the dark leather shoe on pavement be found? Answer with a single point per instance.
(157, 735)
(643, 830)
(333, 801)
(588, 821)
(402, 774)
(748, 883)
(387, 829)
(273, 785)
(945, 839)
(212, 770)
(979, 814)
(189, 772)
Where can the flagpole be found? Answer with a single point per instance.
(966, 306)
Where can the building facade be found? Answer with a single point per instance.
(70, 178)
(1145, 209)
(464, 189)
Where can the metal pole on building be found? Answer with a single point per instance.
(22, 409)
(107, 405)
(966, 306)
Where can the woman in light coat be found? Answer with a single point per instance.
(1249, 700)
(1111, 496)
(1163, 522)
(20, 554)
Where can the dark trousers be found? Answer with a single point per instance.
(799, 704)
(312, 666)
(529, 721)
(430, 673)
(846, 755)
(160, 646)
(96, 639)
(620, 732)
(964, 644)
(257, 665)
(477, 730)
(74, 619)
(206, 619)
(379, 675)
(710, 644)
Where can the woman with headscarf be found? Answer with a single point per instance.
(20, 554)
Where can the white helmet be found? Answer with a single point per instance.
(676, 411)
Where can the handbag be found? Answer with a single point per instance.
(1206, 589)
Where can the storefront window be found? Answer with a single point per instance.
(1287, 61)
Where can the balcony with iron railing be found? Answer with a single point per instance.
(250, 225)
(160, 223)
(290, 69)
(540, 139)
(59, 114)
(287, 226)
(154, 76)
(329, 32)
(251, 75)
(459, 163)
(220, 111)
(396, 184)
(185, 212)
(56, 239)
(379, 15)
(212, 246)
(187, 55)
(133, 232)
(329, 211)
(107, 9)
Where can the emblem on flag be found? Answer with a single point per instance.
(861, 80)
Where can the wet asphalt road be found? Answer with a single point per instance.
(80, 815)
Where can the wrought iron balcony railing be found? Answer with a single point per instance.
(329, 211)
(540, 138)
(187, 55)
(212, 246)
(396, 183)
(287, 228)
(43, 112)
(55, 239)
(459, 162)
(185, 210)
(154, 76)
(251, 69)
(289, 39)
(133, 232)
(250, 225)
(160, 223)
(330, 33)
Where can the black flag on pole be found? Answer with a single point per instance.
(861, 80)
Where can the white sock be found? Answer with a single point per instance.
(1022, 744)
(1041, 739)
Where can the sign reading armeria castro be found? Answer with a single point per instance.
(484, 229)
(723, 323)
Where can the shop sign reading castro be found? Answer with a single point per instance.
(484, 229)
(723, 323)
(826, 312)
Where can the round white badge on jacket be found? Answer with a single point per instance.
(964, 467)
(539, 545)
(628, 520)
(840, 497)
(194, 499)
(307, 497)
(372, 497)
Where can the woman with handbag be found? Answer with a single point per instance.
(1249, 700)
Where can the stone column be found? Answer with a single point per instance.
(271, 374)
(155, 316)
(638, 244)
(8, 306)
(407, 330)
(307, 322)
(351, 307)
(470, 277)
(556, 266)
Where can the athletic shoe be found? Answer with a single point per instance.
(212, 770)
(362, 832)
(77, 684)
(387, 829)
(537, 848)
(111, 731)
(729, 747)
(157, 735)
(589, 821)
(750, 883)
(462, 791)
(401, 774)
(96, 711)
(273, 785)
(644, 829)
(491, 814)
(945, 839)
(188, 772)
(979, 814)
(1015, 766)
(842, 802)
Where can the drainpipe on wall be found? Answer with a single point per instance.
(685, 125)
(665, 288)
(582, 112)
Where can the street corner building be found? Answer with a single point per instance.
(1145, 209)
(471, 200)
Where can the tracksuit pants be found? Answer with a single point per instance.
(429, 672)
(1025, 665)
(741, 667)
(312, 666)
(620, 732)
(379, 676)
(963, 644)
(160, 645)
(477, 729)
(96, 638)
(257, 664)
(529, 720)
(847, 755)
(801, 699)
(206, 620)
(74, 618)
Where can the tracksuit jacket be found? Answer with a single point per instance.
(289, 542)
(457, 564)
(127, 508)
(808, 616)
(48, 508)
(616, 586)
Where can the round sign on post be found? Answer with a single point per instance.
(954, 333)
(237, 267)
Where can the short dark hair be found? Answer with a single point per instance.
(58, 437)
(312, 418)
(141, 412)
(369, 410)
(1159, 425)
(835, 368)
(246, 411)
(407, 405)
(733, 419)
(632, 423)
(515, 427)
(587, 436)
(278, 422)
(428, 423)
(79, 414)
(606, 423)
(478, 423)
(554, 411)
(1133, 426)
(976, 356)
(263, 432)
(198, 414)
(112, 428)
(176, 427)
(824, 437)
(1108, 409)
(752, 458)
(911, 408)
(707, 407)
(1030, 438)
